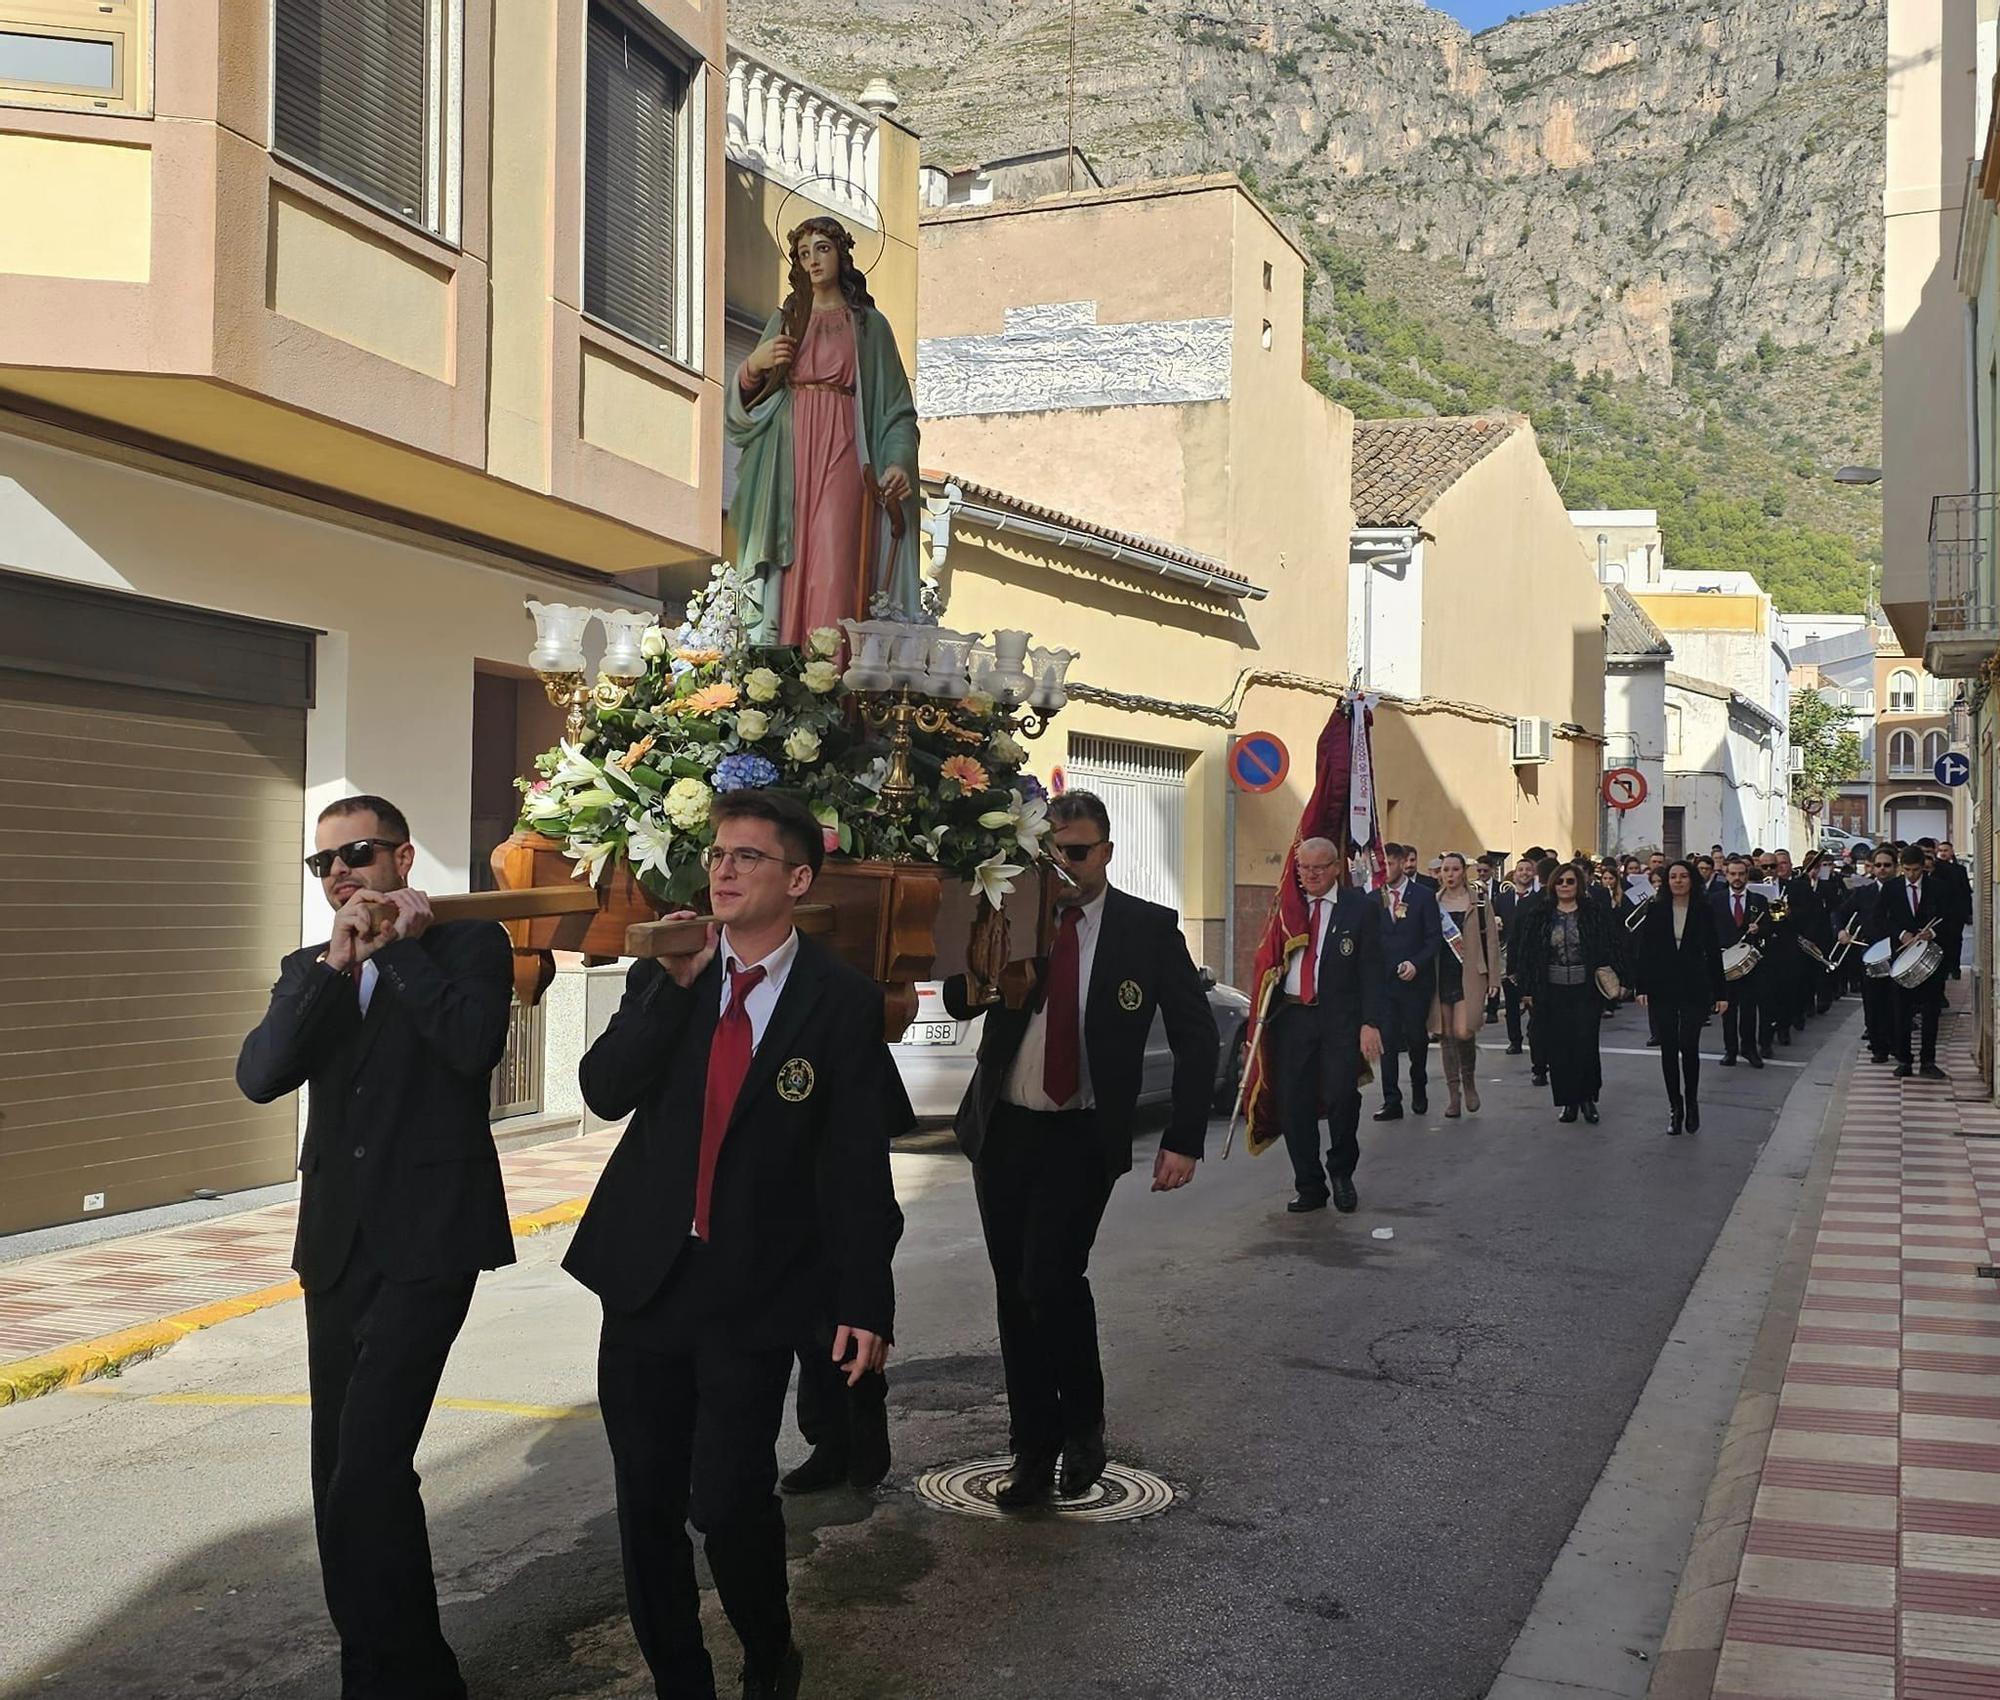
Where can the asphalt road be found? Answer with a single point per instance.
(1381, 1445)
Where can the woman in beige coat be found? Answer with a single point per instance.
(1464, 977)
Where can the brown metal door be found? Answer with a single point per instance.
(149, 885)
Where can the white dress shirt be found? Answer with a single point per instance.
(1295, 968)
(366, 987)
(1024, 1079)
(762, 998)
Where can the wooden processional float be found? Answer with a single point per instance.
(896, 922)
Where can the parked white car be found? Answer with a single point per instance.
(936, 1055)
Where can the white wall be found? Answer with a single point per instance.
(1635, 733)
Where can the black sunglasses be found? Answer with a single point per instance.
(1081, 852)
(356, 855)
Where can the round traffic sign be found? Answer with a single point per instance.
(1954, 767)
(1058, 780)
(1814, 806)
(1624, 788)
(1259, 761)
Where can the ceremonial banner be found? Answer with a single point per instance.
(1361, 827)
(1328, 814)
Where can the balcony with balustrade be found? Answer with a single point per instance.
(1963, 629)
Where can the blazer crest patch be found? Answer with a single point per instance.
(1346, 944)
(1129, 995)
(795, 1080)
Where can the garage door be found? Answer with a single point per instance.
(1144, 787)
(149, 884)
(1910, 821)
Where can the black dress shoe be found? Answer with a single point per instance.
(1878, 1056)
(1904, 1071)
(1729, 1061)
(1539, 1077)
(1765, 1052)
(867, 1446)
(782, 1684)
(1345, 1198)
(1513, 1050)
(1673, 1124)
(1652, 1044)
(1388, 1113)
(1568, 1113)
(1693, 1117)
(825, 1468)
(1083, 1463)
(1029, 1482)
(1931, 1071)
(1754, 1060)
(1419, 1101)
(1305, 1202)
(1590, 1111)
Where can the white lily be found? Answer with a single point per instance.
(545, 805)
(575, 768)
(592, 797)
(591, 859)
(1028, 816)
(646, 843)
(995, 878)
(872, 777)
(928, 842)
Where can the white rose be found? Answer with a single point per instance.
(820, 676)
(652, 643)
(761, 684)
(686, 803)
(977, 702)
(825, 641)
(1004, 749)
(752, 724)
(802, 744)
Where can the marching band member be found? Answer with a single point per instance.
(1910, 908)
(1862, 926)
(1681, 985)
(1740, 918)
(397, 1023)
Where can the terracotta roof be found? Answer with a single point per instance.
(1402, 466)
(1630, 633)
(987, 496)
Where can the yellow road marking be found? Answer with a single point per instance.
(491, 1407)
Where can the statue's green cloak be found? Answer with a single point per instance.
(761, 512)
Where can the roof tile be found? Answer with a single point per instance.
(1402, 466)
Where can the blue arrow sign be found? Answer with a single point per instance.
(1952, 768)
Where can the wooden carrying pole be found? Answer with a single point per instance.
(642, 938)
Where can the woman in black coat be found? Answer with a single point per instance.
(1680, 986)
(1561, 948)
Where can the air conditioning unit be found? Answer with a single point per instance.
(1798, 761)
(1533, 741)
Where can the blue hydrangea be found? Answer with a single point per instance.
(1032, 788)
(744, 772)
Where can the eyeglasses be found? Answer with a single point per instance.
(356, 855)
(1081, 852)
(746, 860)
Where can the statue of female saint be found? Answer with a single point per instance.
(826, 492)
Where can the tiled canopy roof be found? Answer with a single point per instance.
(1630, 630)
(1402, 466)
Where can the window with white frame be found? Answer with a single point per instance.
(365, 93)
(1903, 753)
(642, 187)
(82, 55)
(1673, 729)
(1902, 691)
(1934, 748)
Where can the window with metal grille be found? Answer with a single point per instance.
(640, 237)
(364, 93)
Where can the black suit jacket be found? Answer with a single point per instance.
(1139, 946)
(1722, 904)
(398, 1144)
(1416, 938)
(1955, 885)
(1896, 915)
(1352, 976)
(1687, 970)
(803, 1214)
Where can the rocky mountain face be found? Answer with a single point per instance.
(1630, 182)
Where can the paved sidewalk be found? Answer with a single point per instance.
(69, 1315)
(1872, 1565)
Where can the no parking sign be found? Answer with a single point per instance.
(1259, 761)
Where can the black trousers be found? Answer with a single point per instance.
(1042, 1188)
(1878, 1014)
(1572, 1017)
(1677, 1026)
(1510, 997)
(1920, 1008)
(1406, 1033)
(1776, 990)
(375, 1349)
(1952, 938)
(828, 1409)
(693, 1424)
(1740, 1027)
(1315, 1067)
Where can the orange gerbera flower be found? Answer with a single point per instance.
(699, 657)
(966, 771)
(631, 757)
(710, 699)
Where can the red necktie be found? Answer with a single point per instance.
(1309, 969)
(1062, 1041)
(728, 1062)
(1739, 909)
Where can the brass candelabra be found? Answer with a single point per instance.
(572, 691)
(902, 712)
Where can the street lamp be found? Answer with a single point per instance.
(557, 657)
(1858, 475)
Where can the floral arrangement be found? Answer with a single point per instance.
(712, 714)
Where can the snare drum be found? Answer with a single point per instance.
(1739, 959)
(1878, 959)
(1916, 962)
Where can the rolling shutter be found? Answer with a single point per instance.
(352, 96)
(631, 181)
(1144, 787)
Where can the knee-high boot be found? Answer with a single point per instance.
(1448, 1054)
(1468, 1073)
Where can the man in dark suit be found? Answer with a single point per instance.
(750, 1195)
(397, 1023)
(1908, 907)
(1955, 884)
(1524, 914)
(1047, 1123)
(1516, 890)
(1412, 935)
(1329, 1017)
(1741, 916)
(1863, 924)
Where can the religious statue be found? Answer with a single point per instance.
(826, 492)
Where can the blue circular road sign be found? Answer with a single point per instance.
(1954, 767)
(1259, 761)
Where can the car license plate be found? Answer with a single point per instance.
(933, 1033)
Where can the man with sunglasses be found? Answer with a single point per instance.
(397, 1022)
(748, 1202)
(1047, 1123)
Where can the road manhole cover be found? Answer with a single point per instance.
(1123, 1494)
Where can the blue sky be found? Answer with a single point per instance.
(1478, 15)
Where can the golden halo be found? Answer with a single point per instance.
(874, 206)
